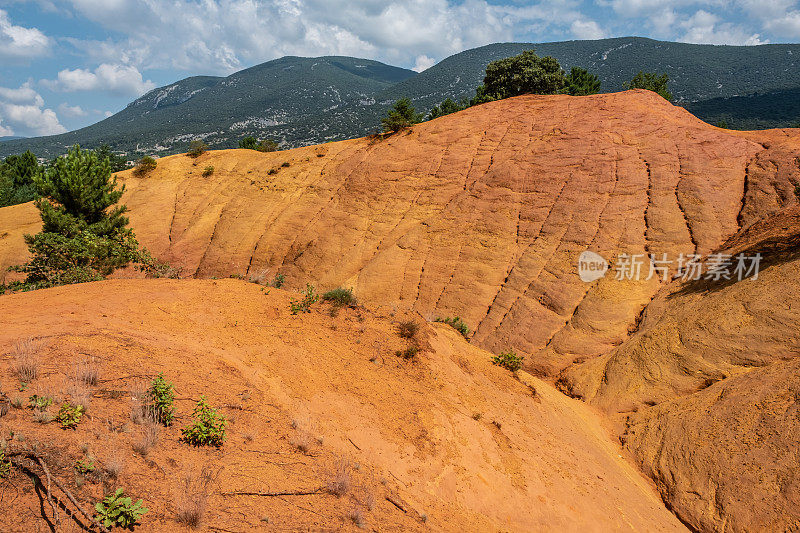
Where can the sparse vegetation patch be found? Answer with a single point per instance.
(118, 510)
(208, 428)
(508, 360)
(457, 324)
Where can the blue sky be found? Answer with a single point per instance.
(66, 64)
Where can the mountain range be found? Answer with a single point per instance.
(302, 101)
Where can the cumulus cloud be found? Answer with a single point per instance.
(22, 112)
(423, 62)
(116, 79)
(706, 28)
(71, 110)
(180, 35)
(587, 29)
(18, 42)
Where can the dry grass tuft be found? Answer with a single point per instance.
(357, 517)
(408, 329)
(148, 441)
(79, 394)
(192, 498)
(26, 357)
(87, 372)
(114, 465)
(340, 483)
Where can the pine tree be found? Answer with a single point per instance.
(16, 179)
(400, 116)
(580, 83)
(84, 234)
(650, 81)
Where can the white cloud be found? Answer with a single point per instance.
(221, 36)
(786, 25)
(22, 112)
(24, 95)
(587, 29)
(18, 42)
(423, 62)
(71, 110)
(117, 79)
(705, 28)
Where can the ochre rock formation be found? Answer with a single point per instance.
(483, 214)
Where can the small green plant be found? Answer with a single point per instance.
(304, 305)
(208, 428)
(277, 282)
(509, 360)
(144, 166)
(208, 171)
(272, 171)
(197, 148)
(40, 403)
(85, 465)
(340, 297)
(408, 329)
(286, 164)
(160, 397)
(797, 191)
(119, 510)
(409, 353)
(69, 415)
(457, 324)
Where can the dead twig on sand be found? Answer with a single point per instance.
(15, 457)
(300, 492)
(396, 503)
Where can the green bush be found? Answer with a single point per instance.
(251, 143)
(84, 234)
(304, 305)
(457, 324)
(408, 353)
(278, 281)
(508, 360)
(119, 510)
(159, 399)
(652, 82)
(208, 428)
(401, 115)
(197, 148)
(580, 83)
(39, 403)
(145, 165)
(340, 297)
(248, 143)
(208, 171)
(447, 107)
(526, 73)
(17, 173)
(69, 415)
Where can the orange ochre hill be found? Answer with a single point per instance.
(481, 214)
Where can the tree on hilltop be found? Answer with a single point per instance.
(652, 82)
(16, 179)
(526, 73)
(401, 115)
(579, 82)
(84, 234)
